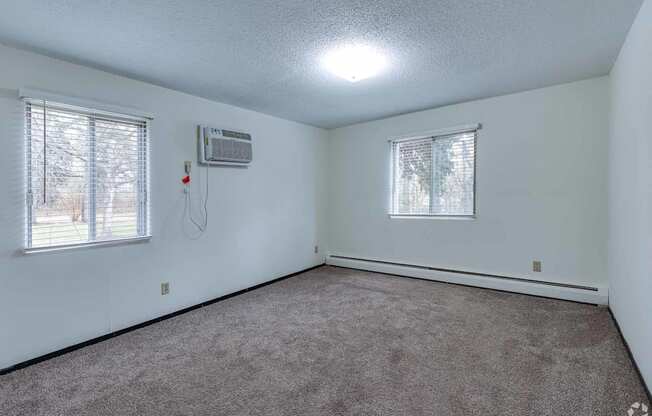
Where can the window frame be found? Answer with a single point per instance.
(434, 134)
(94, 111)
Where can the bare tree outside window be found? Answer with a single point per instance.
(86, 176)
(117, 174)
(434, 175)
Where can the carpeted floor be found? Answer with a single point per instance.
(334, 341)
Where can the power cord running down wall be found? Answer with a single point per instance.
(201, 223)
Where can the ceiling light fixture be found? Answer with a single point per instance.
(355, 63)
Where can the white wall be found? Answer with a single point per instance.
(541, 188)
(630, 191)
(264, 220)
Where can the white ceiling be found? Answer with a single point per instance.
(265, 54)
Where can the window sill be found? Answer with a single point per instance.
(434, 217)
(68, 247)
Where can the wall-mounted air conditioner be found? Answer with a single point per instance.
(224, 147)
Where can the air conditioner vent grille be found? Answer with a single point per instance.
(224, 147)
(236, 135)
(230, 150)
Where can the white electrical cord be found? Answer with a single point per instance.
(183, 222)
(200, 224)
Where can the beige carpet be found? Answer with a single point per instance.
(341, 342)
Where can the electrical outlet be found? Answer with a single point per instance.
(187, 167)
(165, 288)
(536, 266)
(316, 249)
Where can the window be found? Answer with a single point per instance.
(87, 175)
(434, 175)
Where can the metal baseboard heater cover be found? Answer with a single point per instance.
(495, 276)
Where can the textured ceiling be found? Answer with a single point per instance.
(265, 54)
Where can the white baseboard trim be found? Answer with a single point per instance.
(597, 295)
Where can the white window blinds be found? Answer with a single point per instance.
(434, 176)
(87, 175)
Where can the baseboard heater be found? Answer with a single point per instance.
(565, 291)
